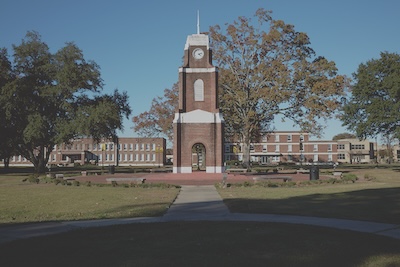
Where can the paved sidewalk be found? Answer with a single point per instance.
(192, 204)
(197, 203)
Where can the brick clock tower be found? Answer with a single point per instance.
(198, 123)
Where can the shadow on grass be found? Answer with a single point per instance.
(380, 205)
(204, 244)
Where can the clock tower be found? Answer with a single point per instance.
(198, 123)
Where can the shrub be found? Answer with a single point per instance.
(33, 178)
(246, 184)
(349, 177)
(76, 183)
(57, 181)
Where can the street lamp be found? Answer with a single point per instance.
(159, 151)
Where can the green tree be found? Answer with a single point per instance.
(57, 97)
(343, 136)
(374, 106)
(267, 69)
(158, 120)
(7, 129)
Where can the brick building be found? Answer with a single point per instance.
(128, 151)
(296, 147)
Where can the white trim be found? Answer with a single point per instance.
(197, 40)
(198, 116)
(215, 169)
(182, 169)
(198, 70)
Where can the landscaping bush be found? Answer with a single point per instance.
(349, 177)
(33, 178)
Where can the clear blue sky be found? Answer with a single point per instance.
(139, 44)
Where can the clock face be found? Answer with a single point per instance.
(198, 53)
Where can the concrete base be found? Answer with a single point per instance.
(209, 169)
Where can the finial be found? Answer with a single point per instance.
(198, 22)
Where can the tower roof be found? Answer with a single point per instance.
(197, 40)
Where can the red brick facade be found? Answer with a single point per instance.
(198, 125)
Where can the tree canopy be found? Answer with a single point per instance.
(158, 120)
(344, 136)
(267, 68)
(374, 106)
(53, 98)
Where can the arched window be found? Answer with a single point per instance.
(199, 90)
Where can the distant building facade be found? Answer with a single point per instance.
(296, 147)
(273, 148)
(128, 151)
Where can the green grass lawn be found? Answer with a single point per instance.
(27, 202)
(204, 244)
(376, 200)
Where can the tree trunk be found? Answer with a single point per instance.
(246, 152)
(6, 163)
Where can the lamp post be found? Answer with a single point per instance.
(159, 151)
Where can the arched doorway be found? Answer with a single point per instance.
(198, 157)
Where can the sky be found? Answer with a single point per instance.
(139, 43)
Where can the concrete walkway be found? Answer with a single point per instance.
(196, 203)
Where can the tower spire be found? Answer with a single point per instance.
(198, 22)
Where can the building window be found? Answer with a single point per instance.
(264, 148)
(251, 148)
(329, 147)
(357, 147)
(341, 156)
(137, 157)
(315, 157)
(199, 90)
(141, 147)
(131, 147)
(301, 138)
(340, 146)
(289, 138)
(289, 148)
(154, 147)
(136, 147)
(277, 138)
(330, 158)
(315, 147)
(154, 157)
(227, 148)
(276, 148)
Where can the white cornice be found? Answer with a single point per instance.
(198, 70)
(197, 40)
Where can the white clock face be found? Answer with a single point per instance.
(198, 53)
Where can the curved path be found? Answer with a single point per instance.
(197, 202)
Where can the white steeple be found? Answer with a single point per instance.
(198, 22)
